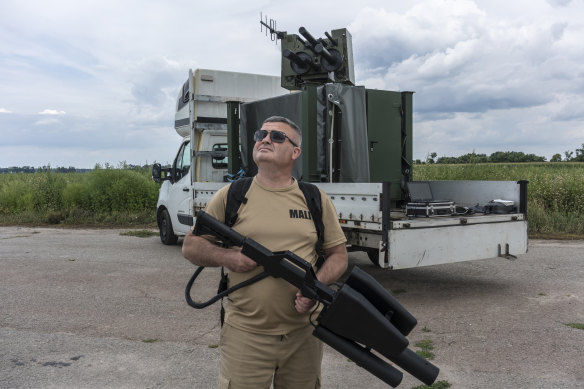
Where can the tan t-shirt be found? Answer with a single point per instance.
(278, 219)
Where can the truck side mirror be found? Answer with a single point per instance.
(157, 173)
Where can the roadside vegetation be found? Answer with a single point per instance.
(125, 195)
(105, 196)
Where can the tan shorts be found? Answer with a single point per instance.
(253, 361)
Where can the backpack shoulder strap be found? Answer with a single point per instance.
(235, 197)
(314, 202)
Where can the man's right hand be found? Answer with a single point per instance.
(202, 252)
(238, 262)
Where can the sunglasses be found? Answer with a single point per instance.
(275, 136)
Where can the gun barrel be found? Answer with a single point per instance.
(300, 62)
(320, 49)
(365, 284)
(304, 32)
(292, 56)
(416, 366)
(364, 358)
(334, 42)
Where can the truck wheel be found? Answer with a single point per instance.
(167, 235)
(373, 256)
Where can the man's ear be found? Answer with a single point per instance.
(296, 153)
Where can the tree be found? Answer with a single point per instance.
(579, 154)
(430, 157)
(556, 158)
(448, 160)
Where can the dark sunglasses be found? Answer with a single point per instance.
(275, 136)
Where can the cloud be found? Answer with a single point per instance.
(459, 60)
(484, 71)
(52, 112)
(430, 26)
(559, 3)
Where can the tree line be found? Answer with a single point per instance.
(41, 169)
(61, 169)
(504, 157)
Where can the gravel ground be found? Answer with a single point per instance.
(93, 309)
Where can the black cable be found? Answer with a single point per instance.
(219, 295)
(318, 303)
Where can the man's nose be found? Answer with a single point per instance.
(267, 138)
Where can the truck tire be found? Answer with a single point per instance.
(167, 235)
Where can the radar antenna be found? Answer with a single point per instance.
(270, 26)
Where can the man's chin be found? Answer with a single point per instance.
(263, 154)
(262, 157)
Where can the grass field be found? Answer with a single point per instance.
(122, 197)
(102, 197)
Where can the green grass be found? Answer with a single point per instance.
(103, 197)
(435, 385)
(426, 348)
(579, 326)
(140, 233)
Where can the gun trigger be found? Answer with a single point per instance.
(308, 292)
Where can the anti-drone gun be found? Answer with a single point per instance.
(359, 317)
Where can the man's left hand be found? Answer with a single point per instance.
(303, 304)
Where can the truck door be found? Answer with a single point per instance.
(179, 196)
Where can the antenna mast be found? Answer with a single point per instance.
(270, 26)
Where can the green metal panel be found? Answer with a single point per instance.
(389, 129)
(407, 135)
(309, 134)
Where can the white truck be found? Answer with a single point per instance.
(361, 157)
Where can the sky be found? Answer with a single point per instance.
(95, 81)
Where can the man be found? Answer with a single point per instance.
(267, 335)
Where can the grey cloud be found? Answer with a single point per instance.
(559, 3)
(387, 37)
(490, 71)
(557, 30)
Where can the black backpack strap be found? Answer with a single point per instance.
(314, 202)
(235, 197)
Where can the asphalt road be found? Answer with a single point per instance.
(94, 309)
